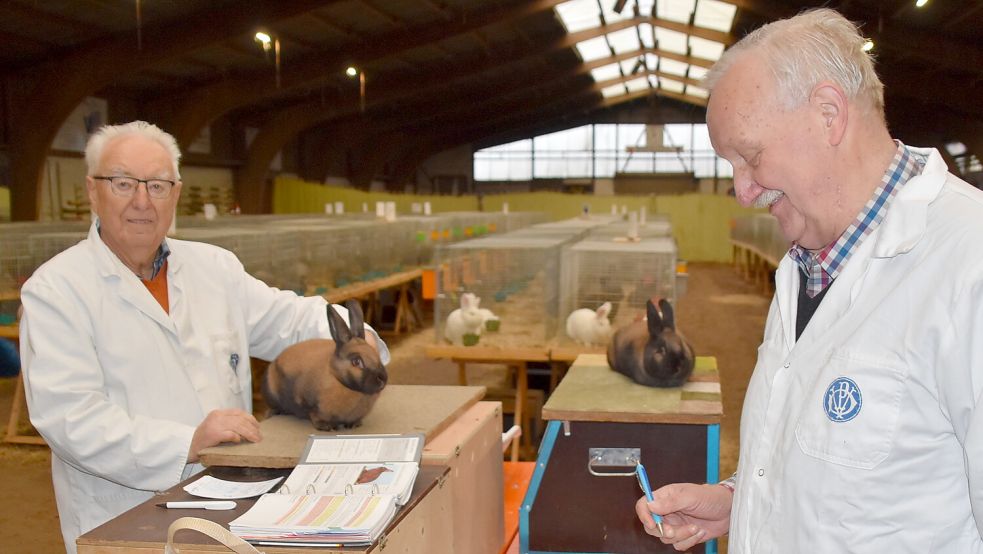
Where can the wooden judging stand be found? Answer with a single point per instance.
(458, 500)
(422, 525)
(676, 432)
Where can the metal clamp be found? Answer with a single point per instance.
(613, 457)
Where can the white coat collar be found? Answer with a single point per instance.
(902, 228)
(128, 285)
(905, 222)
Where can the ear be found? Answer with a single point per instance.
(654, 319)
(339, 331)
(355, 318)
(477, 301)
(466, 300)
(604, 310)
(668, 318)
(831, 105)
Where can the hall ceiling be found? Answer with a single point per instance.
(451, 72)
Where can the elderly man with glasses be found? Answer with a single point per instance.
(136, 347)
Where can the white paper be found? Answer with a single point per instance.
(210, 487)
(357, 449)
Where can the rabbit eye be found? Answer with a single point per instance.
(357, 362)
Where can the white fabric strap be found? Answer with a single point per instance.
(210, 528)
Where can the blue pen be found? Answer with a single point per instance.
(643, 481)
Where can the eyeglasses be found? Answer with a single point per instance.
(127, 186)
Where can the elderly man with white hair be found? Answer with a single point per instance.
(861, 430)
(136, 347)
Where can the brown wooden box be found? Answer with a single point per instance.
(472, 447)
(567, 509)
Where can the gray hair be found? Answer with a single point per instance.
(802, 51)
(107, 133)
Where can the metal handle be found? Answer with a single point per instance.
(613, 457)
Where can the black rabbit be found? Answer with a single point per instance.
(651, 352)
(333, 382)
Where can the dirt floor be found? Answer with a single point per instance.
(721, 315)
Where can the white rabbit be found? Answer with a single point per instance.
(465, 320)
(590, 327)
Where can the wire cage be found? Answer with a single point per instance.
(626, 274)
(515, 278)
(651, 229)
(762, 232)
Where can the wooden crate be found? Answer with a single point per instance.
(472, 448)
(566, 509)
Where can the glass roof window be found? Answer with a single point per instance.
(636, 85)
(716, 15)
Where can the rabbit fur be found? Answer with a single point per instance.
(652, 352)
(334, 383)
(590, 327)
(467, 319)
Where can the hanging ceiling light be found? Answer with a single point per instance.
(920, 3)
(868, 45)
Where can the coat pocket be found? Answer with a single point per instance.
(851, 416)
(229, 361)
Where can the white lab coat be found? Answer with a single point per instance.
(116, 386)
(904, 322)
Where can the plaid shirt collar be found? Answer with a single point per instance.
(823, 266)
(163, 251)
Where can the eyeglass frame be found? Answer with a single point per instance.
(146, 185)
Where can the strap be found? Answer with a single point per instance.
(211, 529)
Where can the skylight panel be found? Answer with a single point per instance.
(671, 85)
(654, 80)
(697, 92)
(675, 10)
(607, 7)
(578, 15)
(673, 67)
(706, 49)
(624, 40)
(614, 90)
(593, 49)
(636, 85)
(697, 72)
(651, 61)
(606, 72)
(715, 15)
(671, 41)
(646, 31)
(628, 65)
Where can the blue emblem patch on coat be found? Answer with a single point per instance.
(842, 400)
(234, 362)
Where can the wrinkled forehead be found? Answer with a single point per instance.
(744, 95)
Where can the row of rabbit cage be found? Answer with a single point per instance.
(520, 289)
(762, 232)
(309, 254)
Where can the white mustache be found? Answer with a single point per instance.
(767, 198)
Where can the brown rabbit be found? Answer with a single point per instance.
(333, 382)
(651, 352)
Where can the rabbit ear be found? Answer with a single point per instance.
(467, 299)
(355, 318)
(339, 330)
(654, 319)
(603, 311)
(668, 319)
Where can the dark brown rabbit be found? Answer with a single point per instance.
(651, 352)
(332, 382)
